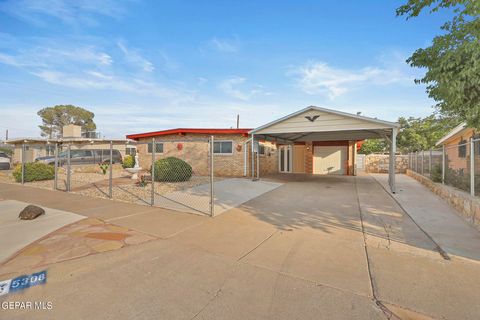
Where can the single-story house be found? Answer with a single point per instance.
(456, 144)
(313, 140)
(192, 145)
(71, 135)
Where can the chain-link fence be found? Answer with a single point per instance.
(456, 165)
(179, 173)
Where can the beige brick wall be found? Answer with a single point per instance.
(194, 149)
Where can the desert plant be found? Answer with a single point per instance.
(128, 161)
(34, 171)
(104, 167)
(172, 169)
(142, 180)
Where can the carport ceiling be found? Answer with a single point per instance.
(321, 124)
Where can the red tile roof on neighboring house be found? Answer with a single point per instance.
(182, 131)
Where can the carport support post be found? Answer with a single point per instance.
(68, 167)
(443, 164)
(152, 173)
(212, 200)
(392, 162)
(253, 157)
(55, 181)
(472, 167)
(23, 163)
(110, 171)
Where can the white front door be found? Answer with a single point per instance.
(285, 162)
(329, 159)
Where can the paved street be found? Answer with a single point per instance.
(314, 248)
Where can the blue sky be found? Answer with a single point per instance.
(151, 65)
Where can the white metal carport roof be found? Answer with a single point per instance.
(322, 124)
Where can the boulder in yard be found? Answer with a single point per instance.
(30, 212)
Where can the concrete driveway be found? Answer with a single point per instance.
(314, 248)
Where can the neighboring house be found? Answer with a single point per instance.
(313, 140)
(231, 150)
(71, 135)
(457, 147)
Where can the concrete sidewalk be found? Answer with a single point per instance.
(16, 234)
(436, 217)
(156, 221)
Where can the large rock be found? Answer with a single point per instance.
(30, 212)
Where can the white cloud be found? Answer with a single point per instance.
(235, 88)
(76, 13)
(39, 56)
(321, 78)
(133, 57)
(225, 45)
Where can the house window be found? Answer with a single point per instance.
(158, 147)
(131, 151)
(49, 150)
(462, 149)
(261, 149)
(223, 147)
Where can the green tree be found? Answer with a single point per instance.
(418, 134)
(373, 146)
(54, 118)
(452, 62)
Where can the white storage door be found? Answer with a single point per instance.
(329, 159)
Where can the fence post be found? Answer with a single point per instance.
(416, 161)
(110, 173)
(23, 163)
(443, 164)
(430, 163)
(68, 168)
(423, 161)
(472, 167)
(212, 198)
(152, 194)
(55, 181)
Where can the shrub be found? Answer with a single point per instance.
(436, 173)
(128, 162)
(34, 171)
(172, 169)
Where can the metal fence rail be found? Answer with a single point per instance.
(183, 173)
(454, 165)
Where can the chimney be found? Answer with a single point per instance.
(238, 121)
(71, 131)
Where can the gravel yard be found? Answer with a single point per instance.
(130, 192)
(123, 190)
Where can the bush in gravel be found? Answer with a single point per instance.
(172, 169)
(128, 161)
(34, 171)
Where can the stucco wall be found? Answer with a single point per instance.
(379, 163)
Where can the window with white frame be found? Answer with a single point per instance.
(158, 147)
(223, 147)
(50, 150)
(131, 151)
(261, 149)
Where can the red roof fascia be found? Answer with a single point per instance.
(188, 130)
